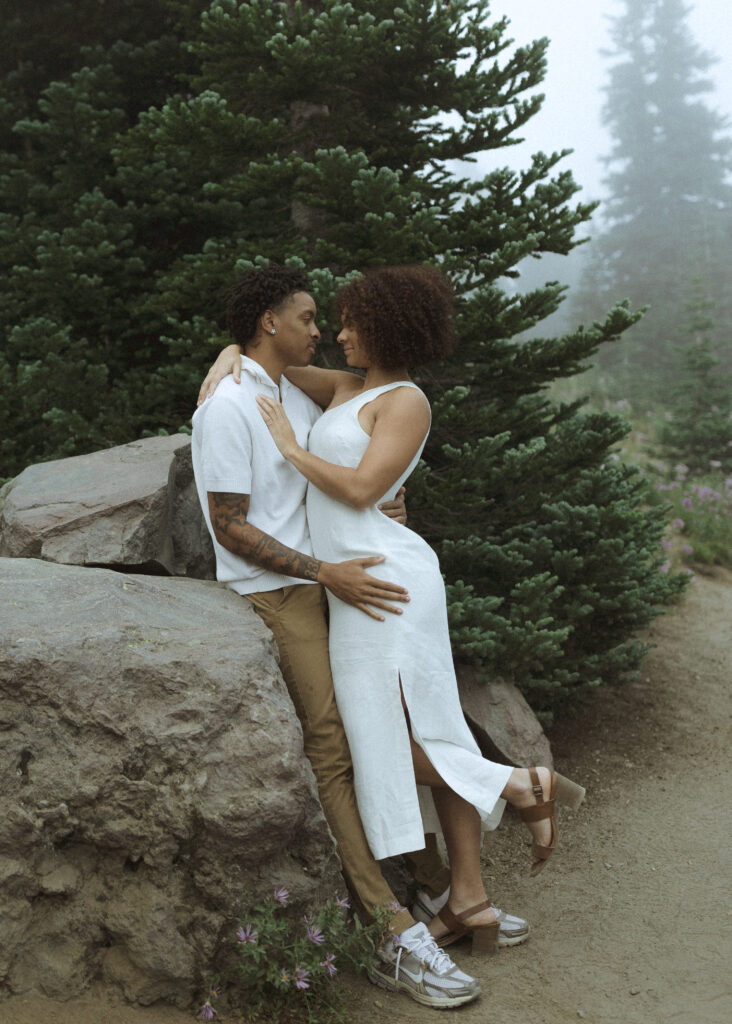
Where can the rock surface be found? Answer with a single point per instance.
(132, 507)
(152, 780)
(504, 726)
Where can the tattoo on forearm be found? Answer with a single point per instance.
(229, 520)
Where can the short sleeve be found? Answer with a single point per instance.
(226, 448)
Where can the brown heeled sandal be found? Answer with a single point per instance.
(560, 789)
(485, 936)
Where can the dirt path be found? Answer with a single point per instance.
(631, 920)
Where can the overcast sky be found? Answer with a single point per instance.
(578, 30)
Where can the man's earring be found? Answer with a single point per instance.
(273, 331)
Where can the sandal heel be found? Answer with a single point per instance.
(485, 936)
(568, 792)
(485, 940)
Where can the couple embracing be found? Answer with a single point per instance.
(305, 506)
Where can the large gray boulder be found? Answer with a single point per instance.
(152, 781)
(133, 507)
(504, 726)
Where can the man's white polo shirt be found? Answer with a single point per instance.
(233, 452)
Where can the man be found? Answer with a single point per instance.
(253, 503)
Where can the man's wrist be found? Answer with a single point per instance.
(324, 574)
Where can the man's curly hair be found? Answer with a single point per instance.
(403, 315)
(256, 291)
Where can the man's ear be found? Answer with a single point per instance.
(267, 320)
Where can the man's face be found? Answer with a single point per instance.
(297, 332)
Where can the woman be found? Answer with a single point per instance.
(394, 679)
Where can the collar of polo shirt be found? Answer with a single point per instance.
(258, 372)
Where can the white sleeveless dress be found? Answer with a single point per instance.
(369, 657)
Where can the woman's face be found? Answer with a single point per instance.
(354, 352)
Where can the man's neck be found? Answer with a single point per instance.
(270, 362)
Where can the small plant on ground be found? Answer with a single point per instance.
(701, 523)
(289, 966)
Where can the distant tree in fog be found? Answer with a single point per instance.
(668, 220)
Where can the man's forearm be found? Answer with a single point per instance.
(237, 535)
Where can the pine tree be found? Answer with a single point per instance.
(316, 133)
(698, 433)
(668, 219)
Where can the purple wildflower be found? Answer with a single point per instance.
(666, 545)
(664, 487)
(395, 907)
(681, 469)
(328, 964)
(678, 524)
(301, 977)
(665, 567)
(215, 991)
(707, 494)
(247, 934)
(284, 976)
(687, 549)
(687, 502)
(315, 934)
(343, 904)
(281, 896)
(207, 1011)
(690, 574)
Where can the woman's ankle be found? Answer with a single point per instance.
(519, 790)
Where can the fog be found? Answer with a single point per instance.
(570, 117)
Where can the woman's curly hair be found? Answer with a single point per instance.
(403, 315)
(256, 291)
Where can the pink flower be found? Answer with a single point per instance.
(281, 896)
(247, 934)
(328, 964)
(301, 977)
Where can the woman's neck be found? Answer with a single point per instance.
(377, 377)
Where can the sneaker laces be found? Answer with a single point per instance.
(398, 961)
(426, 949)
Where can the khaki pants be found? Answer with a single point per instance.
(297, 617)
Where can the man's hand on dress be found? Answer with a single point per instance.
(350, 582)
(228, 361)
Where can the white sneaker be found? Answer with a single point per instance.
(413, 963)
(512, 931)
